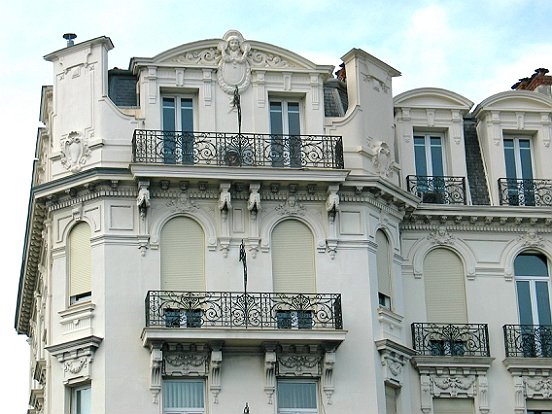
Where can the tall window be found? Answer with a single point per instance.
(444, 287)
(383, 258)
(531, 271)
(178, 126)
(183, 396)
(297, 397)
(80, 400)
(285, 130)
(519, 171)
(293, 258)
(182, 246)
(428, 154)
(80, 263)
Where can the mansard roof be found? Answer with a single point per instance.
(519, 100)
(436, 98)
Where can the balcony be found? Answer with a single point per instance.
(528, 341)
(450, 340)
(237, 150)
(239, 318)
(437, 190)
(525, 192)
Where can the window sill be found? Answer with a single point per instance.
(78, 318)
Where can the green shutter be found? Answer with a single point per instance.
(293, 258)
(453, 406)
(80, 260)
(182, 246)
(383, 259)
(444, 287)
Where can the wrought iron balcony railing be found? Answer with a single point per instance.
(231, 149)
(438, 190)
(528, 341)
(173, 309)
(525, 192)
(441, 339)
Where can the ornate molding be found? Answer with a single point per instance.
(531, 239)
(291, 207)
(76, 357)
(74, 151)
(299, 360)
(182, 204)
(441, 236)
(185, 360)
(234, 69)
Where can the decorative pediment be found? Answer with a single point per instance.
(515, 101)
(435, 98)
(209, 53)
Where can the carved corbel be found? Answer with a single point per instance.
(214, 375)
(483, 393)
(328, 382)
(225, 200)
(425, 389)
(519, 395)
(270, 374)
(156, 362)
(332, 202)
(143, 199)
(254, 201)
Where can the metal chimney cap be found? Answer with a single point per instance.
(70, 37)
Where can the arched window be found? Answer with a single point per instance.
(293, 258)
(383, 259)
(182, 246)
(80, 263)
(444, 287)
(532, 276)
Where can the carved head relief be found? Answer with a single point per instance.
(234, 66)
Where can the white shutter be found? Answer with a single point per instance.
(80, 260)
(453, 406)
(383, 260)
(293, 258)
(182, 246)
(444, 287)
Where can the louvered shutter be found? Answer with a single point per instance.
(383, 259)
(80, 260)
(293, 258)
(182, 246)
(453, 406)
(444, 287)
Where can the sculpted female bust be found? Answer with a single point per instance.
(234, 68)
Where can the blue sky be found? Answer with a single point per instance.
(474, 48)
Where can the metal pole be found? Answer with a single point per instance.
(243, 259)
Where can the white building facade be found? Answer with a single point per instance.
(226, 227)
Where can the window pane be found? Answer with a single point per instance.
(186, 114)
(524, 303)
(169, 122)
(183, 394)
(509, 158)
(293, 118)
(543, 303)
(276, 126)
(525, 159)
(436, 157)
(531, 265)
(82, 401)
(296, 394)
(420, 156)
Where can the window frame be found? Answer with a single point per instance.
(428, 156)
(171, 136)
(287, 410)
(517, 152)
(289, 154)
(532, 281)
(184, 410)
(73, 403)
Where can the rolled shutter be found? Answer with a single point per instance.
(383, 259)
(453, 406)
(293, 258)
(80, 260)
(182, 245)
(444, 287)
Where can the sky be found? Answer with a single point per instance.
(474, 48)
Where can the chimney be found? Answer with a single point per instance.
(70, 37)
